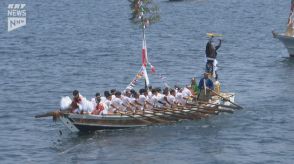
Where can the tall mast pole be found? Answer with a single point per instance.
(144, 42)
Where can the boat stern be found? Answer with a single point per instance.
(68, 123)
(288, 42)
(229, 96)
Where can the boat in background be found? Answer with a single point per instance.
(287, 38)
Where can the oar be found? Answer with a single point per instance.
(215, 109)
(48, 114)
(147, 122)
(166, 115)
(214, 35)
(207, 111)
(239, 107)
(55, 114)
(220, 105)
(52, 113)
(219, 110)
(187, 113)
(191, 113)
(152, 118)
(196, 113)
(172, 113)
(202, 110)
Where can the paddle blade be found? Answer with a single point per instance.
(214, 35)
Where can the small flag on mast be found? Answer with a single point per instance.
(152, 69)
(144, 61)
(144, 53)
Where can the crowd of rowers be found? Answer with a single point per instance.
(114, 102)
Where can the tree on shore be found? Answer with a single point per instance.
(144, 12)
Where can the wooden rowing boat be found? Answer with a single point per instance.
(86, 122)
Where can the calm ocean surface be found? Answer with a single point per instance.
(92, 46)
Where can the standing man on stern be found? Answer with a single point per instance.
(205, 86)
(211, 54)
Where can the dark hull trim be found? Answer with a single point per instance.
(87, 128)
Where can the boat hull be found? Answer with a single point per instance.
(87, 127)
(288, 42)
(86, 123)
(78, 122)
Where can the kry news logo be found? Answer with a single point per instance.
(16, 16)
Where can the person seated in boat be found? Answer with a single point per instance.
(133, 99)
(134, 102)
(180, 98)
(149, 100)
(150, 91)
(153, 101)
(165, 91)
(75, 106)
(165, 101)
(107, 103)
(99, 106)
(187, 92)
(159, 99)
(117, 103)
(112, 92)
(126, 101)
(133, 93)
(171, 98)
(143, 98)
(103, 98)
(188, 95)
(97, 95)
(159, 91)
(177, 88)
(205, 86)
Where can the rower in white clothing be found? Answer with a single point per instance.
(180, 99)
(117, 103)
(172, 99)
(142, 98)
(107, 103)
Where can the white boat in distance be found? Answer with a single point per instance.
(287, 38)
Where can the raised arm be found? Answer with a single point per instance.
(219, 44)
